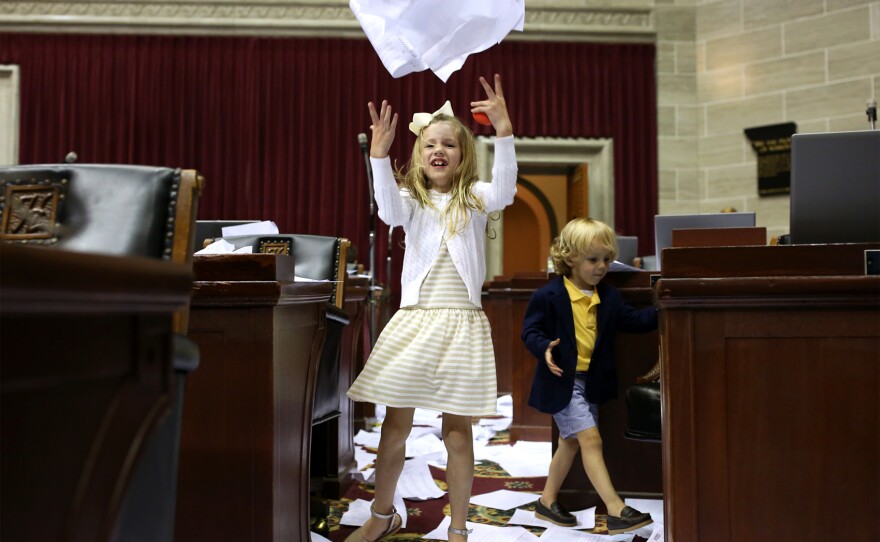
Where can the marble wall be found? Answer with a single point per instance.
(727, 65)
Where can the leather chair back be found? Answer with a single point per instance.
(109, 209)
(316, 257)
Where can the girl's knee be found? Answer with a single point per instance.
(457, 441)
(397, 427)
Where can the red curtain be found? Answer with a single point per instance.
(272, 123)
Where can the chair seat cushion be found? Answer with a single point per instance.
(643, 411)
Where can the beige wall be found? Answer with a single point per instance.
(727, 65)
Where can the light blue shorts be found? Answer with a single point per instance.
(579, 415)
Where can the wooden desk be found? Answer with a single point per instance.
(246, 431)
(497, 304)
(86, 376)
(771, 393)
(635, 466)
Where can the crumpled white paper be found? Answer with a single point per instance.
(415, 35)
(223, 247)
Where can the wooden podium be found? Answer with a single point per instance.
(771, 393)
(247, 418)
(86, 377)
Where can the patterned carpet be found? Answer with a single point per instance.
(424, 516)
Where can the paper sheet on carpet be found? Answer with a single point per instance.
(423, 445)
(504, 499)
(522, 460)
(483, 533)
(363, 457)
(367, 438)
(416, 482)
(561, 534)
(359, 511)
(657, 533)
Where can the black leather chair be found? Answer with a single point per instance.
(123, 210)
(316, 257)
(643, 407)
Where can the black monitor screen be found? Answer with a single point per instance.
(835, 187)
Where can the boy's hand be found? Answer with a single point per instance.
(548, 357)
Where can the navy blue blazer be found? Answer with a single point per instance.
(549, 317)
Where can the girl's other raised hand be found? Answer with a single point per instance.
(494, 107)
(383, 128)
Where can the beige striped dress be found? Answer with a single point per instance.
(436, 354)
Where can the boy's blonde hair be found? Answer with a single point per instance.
(463, 178)
(575, 240)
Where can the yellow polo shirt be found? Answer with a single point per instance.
(583, 307)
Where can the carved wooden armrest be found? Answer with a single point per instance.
(650, 376)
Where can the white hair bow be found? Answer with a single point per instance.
(420, 120)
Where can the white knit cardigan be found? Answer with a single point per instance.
(425, 229)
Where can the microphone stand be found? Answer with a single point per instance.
(362, 141)
(872, 113)
(388, 263)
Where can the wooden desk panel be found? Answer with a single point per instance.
(771, 393)
(497, 304)
(246, 430)
(86, 376)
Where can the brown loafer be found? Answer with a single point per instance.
(630, 519)
(555, 513)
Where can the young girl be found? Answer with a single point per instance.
(436, 351)
(569, 326)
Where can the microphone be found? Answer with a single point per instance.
(71, 157)
(362, 140)
(872, 113)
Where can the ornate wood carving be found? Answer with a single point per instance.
(295, 17)
(30, 210)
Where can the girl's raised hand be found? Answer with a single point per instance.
(494, 107)
(383, 127)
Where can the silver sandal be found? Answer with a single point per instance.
(393, 527)
(462, 532)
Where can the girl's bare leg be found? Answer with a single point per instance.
(389, 464)
(458, 437)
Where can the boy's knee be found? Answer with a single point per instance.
(590, 438)
(568, 444)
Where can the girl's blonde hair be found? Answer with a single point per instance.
(463, 178)
(575, 240)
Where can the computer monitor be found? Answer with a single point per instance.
(835, 188)
(664, 224)
(212, 229)
(627, 248)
